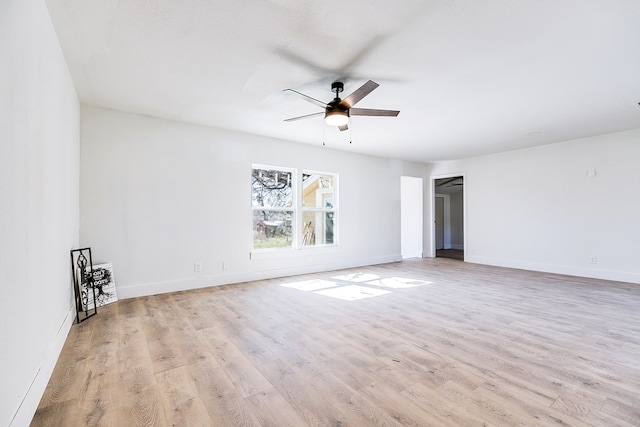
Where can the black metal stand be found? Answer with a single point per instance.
(82, 268)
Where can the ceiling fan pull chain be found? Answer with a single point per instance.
(323, 126)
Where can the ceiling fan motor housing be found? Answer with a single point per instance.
(336, 105)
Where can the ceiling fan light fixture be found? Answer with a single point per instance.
(336, 118)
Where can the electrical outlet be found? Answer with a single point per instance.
(594, 260)
(197, 267)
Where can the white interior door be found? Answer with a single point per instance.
(411, 217)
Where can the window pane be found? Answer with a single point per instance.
(317, 191)
(272, 229)
(271, 188)
(317, 228)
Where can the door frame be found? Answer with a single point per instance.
(432, 211)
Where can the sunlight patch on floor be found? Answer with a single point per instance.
(357, 277)
(352, 292)
(342, 287)
(311, 285)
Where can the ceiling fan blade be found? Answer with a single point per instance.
(293, 119)
(308, 98)
(372, 112)
(449, 182)
(359, 93)
(343, 127)
(344, 72)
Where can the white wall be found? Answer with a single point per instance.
(39, 133)
(158, 196)
(411, 216)
(540, 209)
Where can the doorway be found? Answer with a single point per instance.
(449, 221)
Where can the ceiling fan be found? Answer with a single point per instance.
(337, 112)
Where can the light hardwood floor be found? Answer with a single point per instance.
(432, 342)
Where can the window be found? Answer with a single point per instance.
(273, 207)
(288, 215)
(318, 209)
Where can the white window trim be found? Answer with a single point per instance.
(292, 208)
(298, 210)
(334, 209)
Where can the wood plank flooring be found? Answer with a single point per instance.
(450, 253)
(425, 342)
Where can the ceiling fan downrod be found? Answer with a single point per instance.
(337, 87)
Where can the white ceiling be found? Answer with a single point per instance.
(470, 77)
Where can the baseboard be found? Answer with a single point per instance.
(570, 270)
(230, 277)
(363, 263)
(31, 400)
